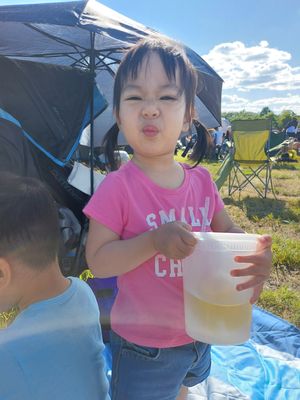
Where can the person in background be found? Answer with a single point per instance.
(291, 129)
(218, 140)
(53, 349)
(191, 140)
(141, 221)
(228, 134)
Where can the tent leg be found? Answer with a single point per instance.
(92, 70)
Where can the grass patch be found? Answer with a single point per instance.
(282, 301)
(280, 218)
(286, 252)
(7, 317)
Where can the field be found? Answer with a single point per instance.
(278, 217)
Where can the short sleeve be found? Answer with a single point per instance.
(108, 204)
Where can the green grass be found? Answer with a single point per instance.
(7, 318)
(280, 218)
(286, 252)
(282, 301)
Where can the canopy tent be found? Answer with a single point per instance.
(225, 123)
(90, 36)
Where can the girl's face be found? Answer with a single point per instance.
(152, 110)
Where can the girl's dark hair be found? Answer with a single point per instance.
(172, 57)
(29, 227)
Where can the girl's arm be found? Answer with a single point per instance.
(221, 222)
(108, 255)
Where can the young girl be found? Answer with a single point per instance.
(141, 222)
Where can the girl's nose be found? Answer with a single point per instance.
(150, 110)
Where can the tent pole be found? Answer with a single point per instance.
(80, 248)
(92, 71)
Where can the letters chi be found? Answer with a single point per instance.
(197, 217)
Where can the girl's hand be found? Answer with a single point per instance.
(260, 268)
(174, 240)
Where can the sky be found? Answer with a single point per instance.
(253, 45)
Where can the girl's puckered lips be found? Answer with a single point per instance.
(150, 130)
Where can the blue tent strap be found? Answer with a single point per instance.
(99, 105)
(9, 117)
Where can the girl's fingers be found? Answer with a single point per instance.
(263, 252)
(188, 238)
(185, 226)
(264, 242)
(256, 292)
(251, 270)
(246, 259)
(184, 249)
(251, 283)
(258, 270)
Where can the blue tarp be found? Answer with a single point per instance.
(266, 367)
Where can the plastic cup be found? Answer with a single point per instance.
(215, 311)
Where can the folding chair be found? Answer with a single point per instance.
(251, 163)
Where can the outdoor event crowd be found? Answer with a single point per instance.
(222, 142)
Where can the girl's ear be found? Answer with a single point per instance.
(5, 273)
(186, 126)
(117, 118)
(189, 115)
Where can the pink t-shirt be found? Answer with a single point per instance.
(149, 306)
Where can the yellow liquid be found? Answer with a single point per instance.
(216, 324)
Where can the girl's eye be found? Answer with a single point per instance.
(133, 98)
(170, 98)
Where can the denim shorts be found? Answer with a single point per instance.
(149, 373)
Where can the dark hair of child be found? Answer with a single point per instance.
(29, 227)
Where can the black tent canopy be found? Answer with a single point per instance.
(52, 118)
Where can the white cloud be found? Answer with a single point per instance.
(276, 104)
(257, 67)
(264, 43)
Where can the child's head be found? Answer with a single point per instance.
(178, 71)
(29, 228)
(29, 235)
(173, 59)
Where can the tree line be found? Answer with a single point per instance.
(279, 121)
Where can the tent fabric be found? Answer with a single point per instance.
(53, 103)
(62, 33)
(266, 367)
(15, 152)
(250, 146)
(18, 155)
